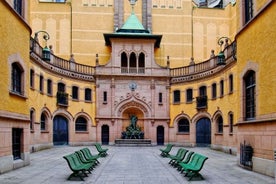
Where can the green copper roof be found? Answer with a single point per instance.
(132, 25)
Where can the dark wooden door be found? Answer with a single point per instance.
(203, 132)
(105, 134)
(60, 131)
(160, 135)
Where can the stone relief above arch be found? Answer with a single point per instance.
(64, 113)
(133, 100)
(200, 115)
(180, 116)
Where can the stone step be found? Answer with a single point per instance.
(133, 142)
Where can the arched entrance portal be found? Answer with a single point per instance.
(60, 131)
(105, 134)
(160, 135)
(203, 132)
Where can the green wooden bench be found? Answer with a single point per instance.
(185, 160)
(173, 157)
(192, 168)
(102, 151)
(89, 156)
(86, 161)
(165, 152)
(179, 158)
(79, 169)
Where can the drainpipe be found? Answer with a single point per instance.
(192, 30)
(71, 20)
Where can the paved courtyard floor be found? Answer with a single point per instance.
(131, 165)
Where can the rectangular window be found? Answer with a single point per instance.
(248, 10)
(189, 95)
(104, 97)
(17, 4)
(53, 1)
(221, 88)
(16, 143)
(41, 83)
(160, 98)
(231, 85)
(214, 90)
(176, 96)
(32, 75)
(49, 87)
(75, 93)
(87, 95)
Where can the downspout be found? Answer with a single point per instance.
(71, 22)
(192, 30)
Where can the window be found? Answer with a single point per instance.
(221, 88)
(183, 126)
(248, 10)
(53, 1)
(17, 78)
(231, 85)
(104, 97)
(141, 63)
(132, 63)
(75, 93)
(42, 122)
(81, 124)
(61, 87)
(250, 95)
(87, 95)
(32, 78)
(124, 64)
(16, 143)
(189, 95)
(32, 117)
(176, 96)
(18, 6)
(220, 124)
(214, 90)
(231, 122)
(41, 83)
(202, 91)
(49, 87)
(160, 98)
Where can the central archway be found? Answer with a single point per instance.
(60, 130)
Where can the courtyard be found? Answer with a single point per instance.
(131, 165)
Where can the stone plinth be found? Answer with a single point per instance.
(133, 142)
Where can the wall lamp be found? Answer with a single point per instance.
(221, 56)
(46, 53)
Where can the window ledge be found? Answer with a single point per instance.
(82, 132)
(17, 94)
(219, 133)
(183, 133)
(44, 131)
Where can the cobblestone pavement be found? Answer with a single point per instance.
(131, 165)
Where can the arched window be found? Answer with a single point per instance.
(220, 125)
(17, 78)
(183, 125)
(61, 87)
(81, 124)
(132, 63)
(141, 63)
(43, 122)
(250, 95)
(124, 64)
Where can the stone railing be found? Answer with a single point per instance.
(203, 69)
(61, 66)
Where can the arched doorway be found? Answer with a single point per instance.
(105, 134)
(203, 132)
(60, 131)
(160, 135)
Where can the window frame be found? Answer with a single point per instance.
(75, 92)
(88, 94)
(176, 96)
(185, 127)
(219, 123)
(214, 90)
(79, 126)
(189, 95)
(250, 95)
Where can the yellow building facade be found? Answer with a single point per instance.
(161, 61)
